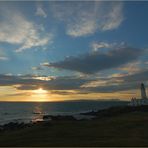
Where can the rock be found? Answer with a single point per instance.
(58, 117)
(13, 126)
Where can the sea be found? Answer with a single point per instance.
(34, 111)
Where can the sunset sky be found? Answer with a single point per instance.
(51, 51)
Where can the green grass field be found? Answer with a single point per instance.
(130, 129)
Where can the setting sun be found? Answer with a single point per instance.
(40, 94)
(40, 91)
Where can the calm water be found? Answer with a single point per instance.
(26, 112)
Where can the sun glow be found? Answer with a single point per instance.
(40, 91)
(40, 94)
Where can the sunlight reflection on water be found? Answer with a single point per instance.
(37, 112)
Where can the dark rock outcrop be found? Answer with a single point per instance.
(13, 126)
(58, 117)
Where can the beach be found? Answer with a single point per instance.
(125, 128)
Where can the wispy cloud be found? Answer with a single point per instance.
(19, 94)
(131, 67)
(95, 46)
(100, 45)
(85, 18)
(37, 68)
(17, 29)
(40, 11)
(114, 17)
(3, 56)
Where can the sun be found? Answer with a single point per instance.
(40, 91)
(40, 95)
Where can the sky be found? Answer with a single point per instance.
(71, 50)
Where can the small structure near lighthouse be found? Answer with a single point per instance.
(143, 100)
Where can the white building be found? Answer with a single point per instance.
(143, 100)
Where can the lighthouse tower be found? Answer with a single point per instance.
(143, 92)
(142, 101)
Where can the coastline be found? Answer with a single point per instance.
(92, 115)
(116, 126)
(26, 112)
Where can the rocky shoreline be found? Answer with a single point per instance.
(14, 126)
(47, 119)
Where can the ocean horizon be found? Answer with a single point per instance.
(34, 111)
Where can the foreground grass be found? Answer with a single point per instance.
(130, 129)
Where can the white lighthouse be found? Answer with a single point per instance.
(143, 92)
(143, 100)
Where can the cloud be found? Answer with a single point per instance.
(35, 41)
(85, 18)
(114, 17)
(28, 82)
(115, 84)
(131, 68)
(139, 77)
(3, 56)
(19, 94)
(18, 30)
(7, 80)
(96, 46)
(100, 45)
(97, 61)
(68, 85)
(64, 92)
(110, 88)
(37, 68)
(44, 64)
(40, 11)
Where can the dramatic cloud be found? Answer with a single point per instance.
(84, 18)
(16, 29)
(99, 60)
(66, 83)
(34, 82)
(76, 85)
(115, 84)
(6, 80)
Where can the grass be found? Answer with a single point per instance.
(130, 129)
